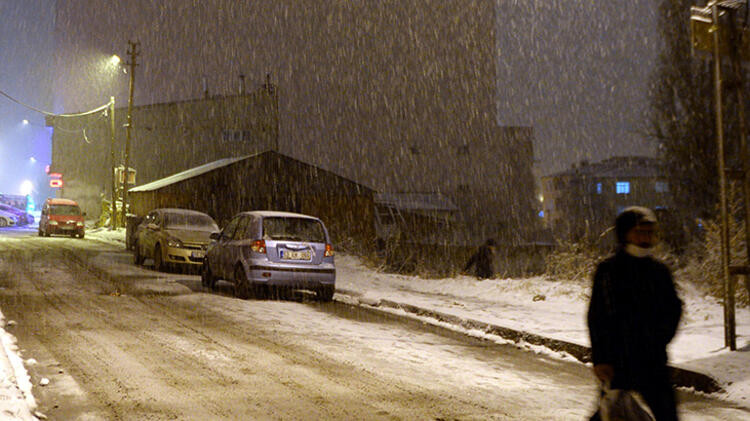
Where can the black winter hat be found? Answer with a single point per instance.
(629, 218)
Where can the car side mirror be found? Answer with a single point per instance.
(215, 236)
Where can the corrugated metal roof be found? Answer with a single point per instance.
(416, 201)
(194, 172)
(181, 176)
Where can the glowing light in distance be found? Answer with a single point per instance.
(26, 187)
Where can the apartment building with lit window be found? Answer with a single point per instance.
(582, 202)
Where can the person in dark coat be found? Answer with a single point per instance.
(633, 314)
(482, 260)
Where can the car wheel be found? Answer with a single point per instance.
(46, 233)
(81, 235)
(137, 257)
(158, 263)
(3, 223)
(241, 287)
(207, 278)
(325, 293)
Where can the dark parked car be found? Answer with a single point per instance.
(173, 236)
(262, 249)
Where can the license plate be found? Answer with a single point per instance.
(197, 254)
(295, 255)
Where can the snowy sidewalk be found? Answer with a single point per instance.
(553, 310)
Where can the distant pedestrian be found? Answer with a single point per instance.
(482, 260)
(633, 314)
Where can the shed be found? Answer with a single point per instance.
(264, 181)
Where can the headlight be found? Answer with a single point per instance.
(173, 242)
(79, 224)
(53, 222)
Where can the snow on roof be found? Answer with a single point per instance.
(57, 201)
(184, 175)
(179, 211)
(278, 214)
(416, 201)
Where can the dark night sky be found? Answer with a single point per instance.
(577, 71)
(25, 49)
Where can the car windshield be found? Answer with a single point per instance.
(190, 221)
(64, 210)
(294, 229)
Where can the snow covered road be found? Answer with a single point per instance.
(128, 343)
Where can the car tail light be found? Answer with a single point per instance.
(259, 246)
(329, 251)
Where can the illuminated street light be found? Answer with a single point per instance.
(32, 159)
(26, 187)
(25, 122)
(114, 60)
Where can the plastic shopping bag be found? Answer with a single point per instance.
(623, 405)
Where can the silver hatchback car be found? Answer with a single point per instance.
(261, 249)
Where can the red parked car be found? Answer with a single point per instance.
(61, 216)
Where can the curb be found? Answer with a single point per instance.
(680, 376)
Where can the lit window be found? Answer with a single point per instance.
(622, 187)
(661, 186)
(598, 188)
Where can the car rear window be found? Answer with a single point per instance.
(64, 210)
(293, 229)
(190, 221)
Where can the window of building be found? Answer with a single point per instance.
(236, 135)
(661, 186)
(598, 188)
(622, 187)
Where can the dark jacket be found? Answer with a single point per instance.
(482, 260)
(633, 315)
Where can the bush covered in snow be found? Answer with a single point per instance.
(703, 261)
(573, 261)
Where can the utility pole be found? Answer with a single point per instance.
(729, 332)
(133, 53)
(714, 30)
(113, 214)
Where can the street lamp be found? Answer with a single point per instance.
(26, 187)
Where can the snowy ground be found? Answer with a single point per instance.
(699, 345)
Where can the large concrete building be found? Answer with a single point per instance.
(398, 95)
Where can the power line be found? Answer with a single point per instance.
(85, 113)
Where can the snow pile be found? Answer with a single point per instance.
(16, 399)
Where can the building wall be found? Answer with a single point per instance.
(574, 208)
(166, 139)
